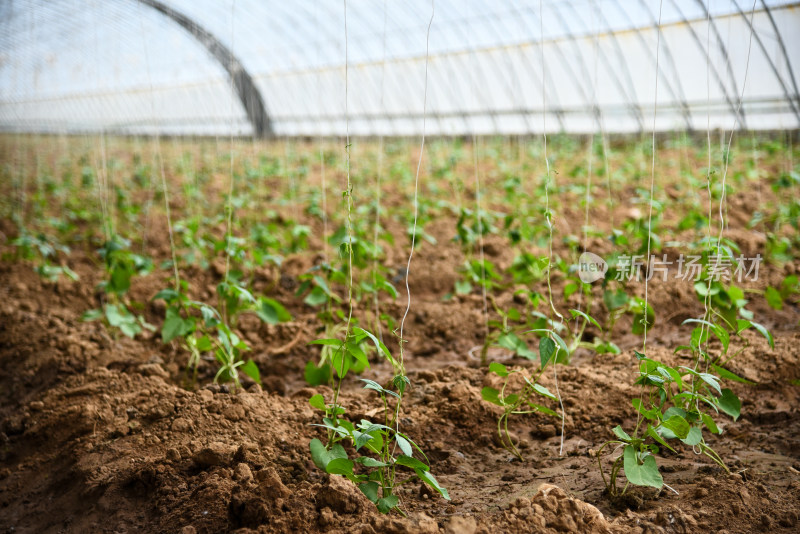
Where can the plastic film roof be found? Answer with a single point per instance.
(493, 67)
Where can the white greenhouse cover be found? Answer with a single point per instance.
(493, 67)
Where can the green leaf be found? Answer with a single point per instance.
(541, 390)
(319, 454)
(366, 461)
(210, 316)
(204, 344)
(652, 413)
(694, 437)
(710, 424)
(607, 348)
(641, 474)
(315, 375)
(727, 375)
(570, 289)
(174, 325)
(341, 363)
(498, 369)
(92, 315)
(357, 354)
(677, 425)
(337, 451)
(401, 382)
(318, 401)
(379, 345)
(509, 341)
(463, 287)
(386, 504)
(271, 311)
(730, 404)
(547, 349)
(429, 479)
(544, 409)
(115, 315)
(370, 489)
(490, 394)
(317, 297)
(774, 298)
(251, 369)
(371, 384)
(614, 300)
(653, 434)
(576, 313)
(764, 332)
(561, 345)
(621, 434)
(362, 438)
(130, 329)
(711, 380)
(340, 466)
(413, 463)
(404, 445)
(166, 294)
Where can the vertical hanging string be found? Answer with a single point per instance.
(375, 298)
(480, 234)
(727, 154)
(416, 181)
(707, 297)
(349, 192)
(157, 139)
(101, 182)
(650, 212)
(325, 258)
(601, 121)
(229, 204)
(652, 184)
(475, 159)
(549, 220)
(590, 158)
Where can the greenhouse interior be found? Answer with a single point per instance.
(427, 266)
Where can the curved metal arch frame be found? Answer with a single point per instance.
(782, 45)
(772, 65)
(77, 104)
(679, 94)
(587, 75)
(661, 72)
(629, 92)
(713, 67)
(246, 89)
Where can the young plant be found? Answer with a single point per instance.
(201, 329)
(121, 266)
(44, 251)
(677, 403)
(382, 458)
(520, 401)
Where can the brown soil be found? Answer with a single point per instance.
(100, 434)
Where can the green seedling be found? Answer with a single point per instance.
(477, 273)
(521, 401)
(315, 288)
(202, 330)
(786, 293)
(506, 331)
(677, 403)
(44, 251)
(121, 266)
(381, 458)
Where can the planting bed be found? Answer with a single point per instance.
(106, 433)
